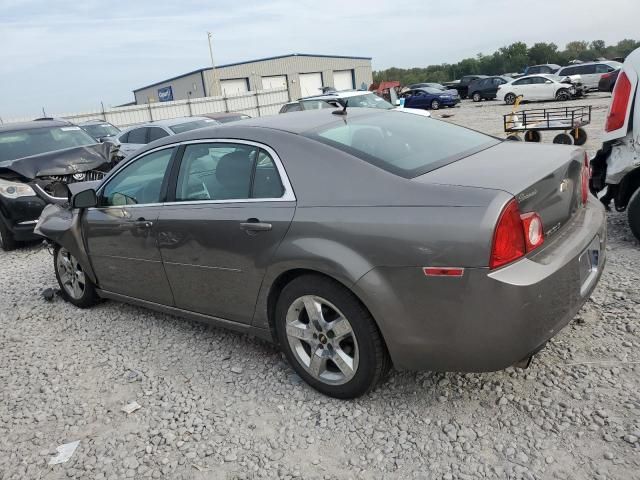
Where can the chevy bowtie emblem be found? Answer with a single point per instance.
(564, 185)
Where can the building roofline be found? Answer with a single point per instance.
(250, 61)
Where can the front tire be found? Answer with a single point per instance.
(563, 95)
(330, 338)
(633, 214)
(7, 240)
(76, 287)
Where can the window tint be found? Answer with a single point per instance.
(588, 69)
(156, 133)
(534, 70)
(227, 171)
(124, 138)
(406, 145)
(524, 81)
(139, 182)
(538, 80)
(498, 81)
(568, 71)
(138, 135)
(266, 179)
(601, 68)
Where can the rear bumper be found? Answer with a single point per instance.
(20, 216)
(485, 320)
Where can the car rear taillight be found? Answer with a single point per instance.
(515, 235)
(619, 104)
(585, 176)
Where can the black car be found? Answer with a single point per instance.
(463, 85)
(37, 160)
(608, 81)
(486, 88)
(99, 129)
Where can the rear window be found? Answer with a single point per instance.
(402, 143)
(185, 127)
(35, 141)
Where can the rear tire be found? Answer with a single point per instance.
(75, 286)
(633, 213)
(7, 240)
(476, 97)
(563, 139)
(435, 105)
(510, 98)
(579, 137)
(311, 342)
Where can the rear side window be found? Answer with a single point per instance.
(403, 144)
(138, 135)
(294, 107)
(227, 171)
(156, 133)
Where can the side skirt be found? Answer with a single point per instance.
(198, 317)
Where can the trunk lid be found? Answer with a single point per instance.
(543, 178)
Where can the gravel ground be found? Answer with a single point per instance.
(216, 404)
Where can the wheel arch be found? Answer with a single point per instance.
(628, 186)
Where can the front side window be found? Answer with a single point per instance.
(140, 182)
(316, 105)
(406, 145)
(227, 171)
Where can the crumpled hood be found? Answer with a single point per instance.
(60, 162)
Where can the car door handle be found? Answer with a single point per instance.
(254, 225)
(142, 223)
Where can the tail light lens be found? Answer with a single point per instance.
(619, 104)
(515, 235)
(586, 175)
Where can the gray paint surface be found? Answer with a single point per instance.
(371, 231)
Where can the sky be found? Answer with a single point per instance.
(69, 55)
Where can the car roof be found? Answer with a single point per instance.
(32, 125)
(599, 62)
(226, 114)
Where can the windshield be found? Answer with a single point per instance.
(185, 127)
(367, 100)
(101, 130)
(34, 141)
(406, 145)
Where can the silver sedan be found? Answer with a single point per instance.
(355, 240)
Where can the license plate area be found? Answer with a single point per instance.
(589, 263)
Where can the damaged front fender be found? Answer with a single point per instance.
(63, 226)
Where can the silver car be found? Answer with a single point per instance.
(354, 241)
(137, 136)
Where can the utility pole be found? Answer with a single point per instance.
(213, 67)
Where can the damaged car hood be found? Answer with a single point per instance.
(60, 162)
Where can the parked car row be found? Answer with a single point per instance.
(39, 159)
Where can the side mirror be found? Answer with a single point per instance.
(84, 199)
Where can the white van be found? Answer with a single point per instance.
(590, 72)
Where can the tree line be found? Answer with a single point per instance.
(510, 59)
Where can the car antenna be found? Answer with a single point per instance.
(344, 109)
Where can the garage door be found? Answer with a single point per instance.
(277, 81)
(235, 86)
(310, 84)
(343, 80)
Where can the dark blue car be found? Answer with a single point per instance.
(429, 97)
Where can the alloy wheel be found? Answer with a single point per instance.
(71, 275)
(322, 340)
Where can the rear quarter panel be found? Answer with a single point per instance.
(632, 69)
